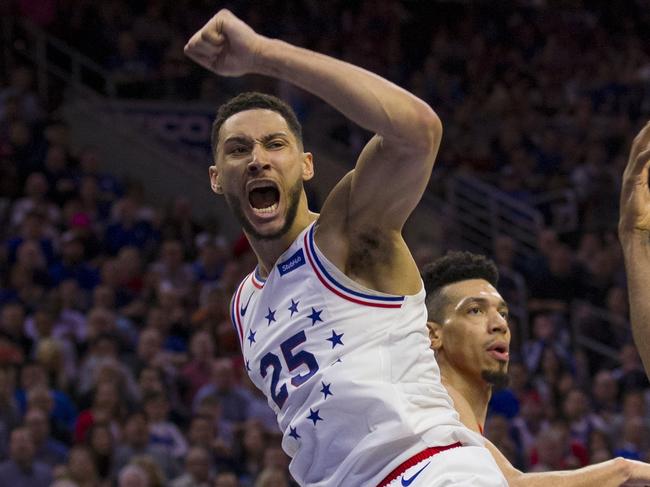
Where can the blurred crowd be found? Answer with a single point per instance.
(118, 361)
(534, 98)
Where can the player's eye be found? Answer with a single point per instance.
(237, 150)
(504, 315)
(474, 310)
(275, 144)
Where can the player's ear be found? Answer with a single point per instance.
(215, 180)
(307, 166)
(435, 334)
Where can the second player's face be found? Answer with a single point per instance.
(475, 333)
(260, 169)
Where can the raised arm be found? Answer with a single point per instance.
(393, 170)
(634, 235)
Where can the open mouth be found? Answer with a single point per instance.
(264, 198)
(499, 351)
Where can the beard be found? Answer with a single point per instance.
(496, 378)
(293, 199)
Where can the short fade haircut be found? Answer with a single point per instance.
(251, 101)
(454, 267)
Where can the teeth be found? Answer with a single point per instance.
(268, 209)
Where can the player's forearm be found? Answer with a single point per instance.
(365, 98)
(636, 252)
(611, 473)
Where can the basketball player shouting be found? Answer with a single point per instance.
(468, 323)
(332, 321)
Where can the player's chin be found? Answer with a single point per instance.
(268, 228)
(497, 377)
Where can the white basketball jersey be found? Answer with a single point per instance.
(348, 371)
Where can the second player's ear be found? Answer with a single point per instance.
(435, 334)
(215, 180)
(307, 166)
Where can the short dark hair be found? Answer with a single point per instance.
(251, 101)
(454, 267)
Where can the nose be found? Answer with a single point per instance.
(497, 323)
(258, 160)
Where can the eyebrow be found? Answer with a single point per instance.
(242, 139)
(478, 299)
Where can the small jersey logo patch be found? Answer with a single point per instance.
(292, 263)
(406, 482)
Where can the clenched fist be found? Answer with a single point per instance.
(226, 45)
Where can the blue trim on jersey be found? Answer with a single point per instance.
(312, 250)
(257, 275)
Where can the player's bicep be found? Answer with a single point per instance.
(389, 180)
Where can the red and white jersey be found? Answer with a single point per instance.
(348, 371)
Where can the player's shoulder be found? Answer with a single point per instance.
(463, 408)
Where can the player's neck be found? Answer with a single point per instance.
(268, 251)
(475, 390)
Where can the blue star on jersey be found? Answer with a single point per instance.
(294, 307)
(315, 316)
(248, 366)
(294, 433)
(271, 316)
(335, 339)
(314, 416)
(326, 390)
(251, 337)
